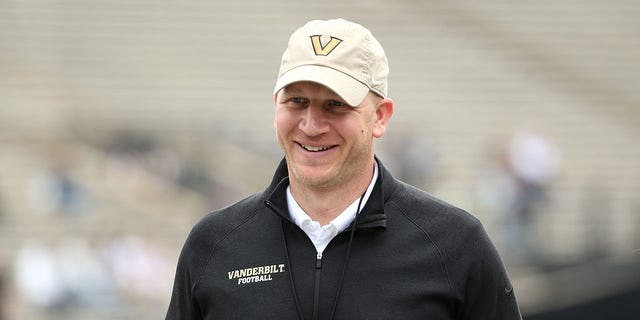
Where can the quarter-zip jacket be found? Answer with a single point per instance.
(412, 256)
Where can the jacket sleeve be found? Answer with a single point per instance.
(488, 293)
(191, 263)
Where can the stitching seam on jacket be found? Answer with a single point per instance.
(442, 260)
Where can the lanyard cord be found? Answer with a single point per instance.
(346, 259)
(344, 267)
(293, 288)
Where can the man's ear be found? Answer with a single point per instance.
(275, 105)
(384, 111)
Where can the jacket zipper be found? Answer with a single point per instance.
(316, 288)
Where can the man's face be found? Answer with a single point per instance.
(327, 143)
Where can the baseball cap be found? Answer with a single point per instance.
(341, 55)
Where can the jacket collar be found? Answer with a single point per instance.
(371, 216)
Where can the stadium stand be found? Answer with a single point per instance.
(144, 115)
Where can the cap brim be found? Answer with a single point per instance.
(351, 90)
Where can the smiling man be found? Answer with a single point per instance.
(335, 235)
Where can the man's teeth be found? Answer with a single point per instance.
(315, 149)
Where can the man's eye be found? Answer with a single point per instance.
(336, 103)
(297, 100)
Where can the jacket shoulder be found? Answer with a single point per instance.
(459, 237)
(199, 248)
(429, 211)
(476, 273)
(209, 232)
(217, 224)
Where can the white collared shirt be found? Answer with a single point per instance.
(322, 235)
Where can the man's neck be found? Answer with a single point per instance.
(325, 204)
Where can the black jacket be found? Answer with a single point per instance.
(412, 256)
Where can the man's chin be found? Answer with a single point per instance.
(313, 177)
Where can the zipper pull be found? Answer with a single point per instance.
(319, 260)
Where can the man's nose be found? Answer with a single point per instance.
(314, 121)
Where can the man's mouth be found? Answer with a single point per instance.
(314, 148)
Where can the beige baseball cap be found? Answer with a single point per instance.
(339, 54)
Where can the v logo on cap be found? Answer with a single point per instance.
(325, 50)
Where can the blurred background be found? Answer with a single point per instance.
(124, 122)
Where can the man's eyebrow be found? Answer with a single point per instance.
(292, 88)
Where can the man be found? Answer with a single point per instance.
(335, 236)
